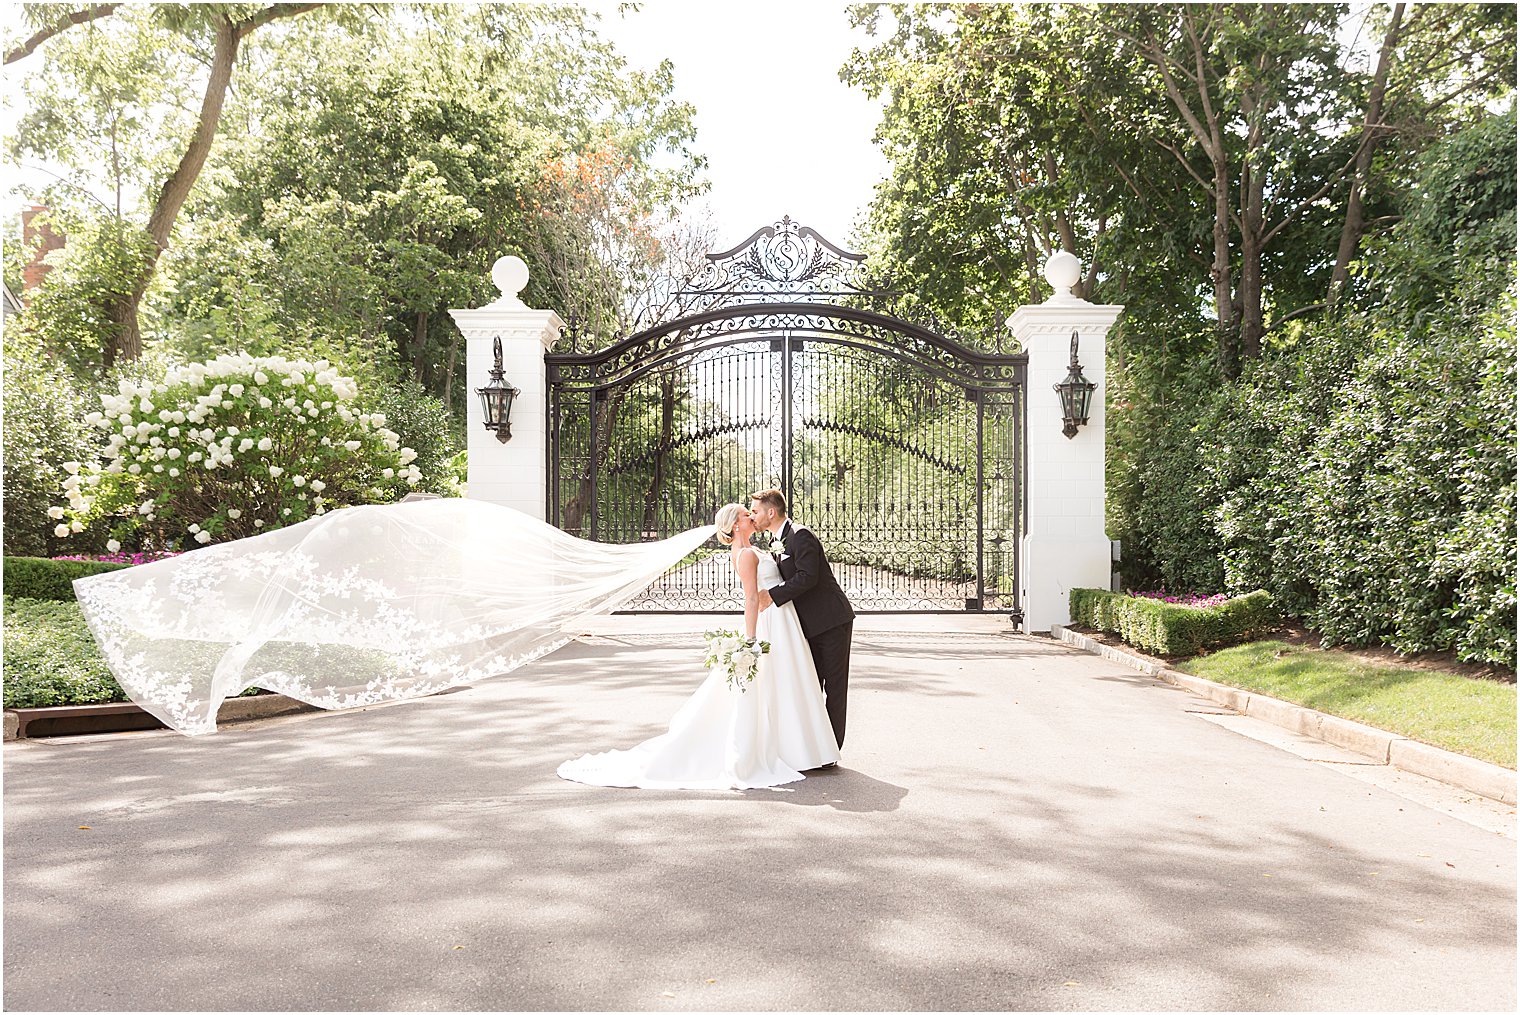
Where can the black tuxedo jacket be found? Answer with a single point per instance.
(808, 581)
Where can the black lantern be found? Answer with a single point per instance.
(1076, 394)
(496, 399)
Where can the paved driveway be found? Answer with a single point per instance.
(1017, 826)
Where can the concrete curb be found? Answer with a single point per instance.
(1493, 781)
(233, 710)
(260, 706)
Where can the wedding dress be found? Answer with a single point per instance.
(722, 738)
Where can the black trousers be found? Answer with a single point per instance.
(831, 656)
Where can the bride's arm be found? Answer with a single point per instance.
(748, 566)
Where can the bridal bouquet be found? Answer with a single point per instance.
(738, 656)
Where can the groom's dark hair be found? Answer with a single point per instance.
(774, 498)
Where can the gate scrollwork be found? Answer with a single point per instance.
(900, 444)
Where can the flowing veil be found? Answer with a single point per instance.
(358, 606)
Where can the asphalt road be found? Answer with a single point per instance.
(1015, 826)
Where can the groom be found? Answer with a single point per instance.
(826, 617)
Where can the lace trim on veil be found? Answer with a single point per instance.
(358, 606)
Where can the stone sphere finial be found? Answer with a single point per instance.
(1062, 271)
(510, 274)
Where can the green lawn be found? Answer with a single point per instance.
(1472, 716)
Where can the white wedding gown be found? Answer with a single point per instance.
(722, 738)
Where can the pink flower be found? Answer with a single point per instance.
(1194, 601)
(139, 557)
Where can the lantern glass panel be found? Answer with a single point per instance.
(1084, 393)
(1064, 391)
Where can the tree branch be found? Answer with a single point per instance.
(1466, 86)
(1205, 184)
(63, 24)
(273, 13)
(1300, 312)
(1334, 179)
(1091, 281)
(1174, 92)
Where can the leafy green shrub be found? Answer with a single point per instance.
(1377, 500)
(234, 447)
(40, 578)
(1459, 222)
(1164, 494)
(458, 475)
(43, 428)
(1364, 475)
(51, 657)
(424, 424)
(1169, 629)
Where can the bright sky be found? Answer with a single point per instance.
(782, 134)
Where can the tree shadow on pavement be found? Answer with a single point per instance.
(425, 857)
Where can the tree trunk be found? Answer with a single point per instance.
(1032, 263)
(1253, 238)
(1372, 131)
(1251, 326)
(1220, 273)
(1204, 124)
(448, 374)
(577, 510)
(122, 309)
(419, 347)
(176, 189)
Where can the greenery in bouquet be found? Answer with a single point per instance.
(230, 448)
(736, 655)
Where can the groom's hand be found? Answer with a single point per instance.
(765, 600)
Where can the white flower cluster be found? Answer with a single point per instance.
(148, 435)
(77, 499)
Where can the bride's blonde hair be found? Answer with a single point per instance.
(727, 515)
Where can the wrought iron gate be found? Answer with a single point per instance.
(901, 447)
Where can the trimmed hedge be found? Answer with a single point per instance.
(1168, 629)
(41, 578)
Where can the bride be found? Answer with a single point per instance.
(722, 738)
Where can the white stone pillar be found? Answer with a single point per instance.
(515, 473)
(1064, 543)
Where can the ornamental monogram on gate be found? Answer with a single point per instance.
(896, 442)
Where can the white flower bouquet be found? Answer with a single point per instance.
(736, 655)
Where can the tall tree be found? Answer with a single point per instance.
(225, 26)
(379, 172)
(1437, 65)
(1228, 146)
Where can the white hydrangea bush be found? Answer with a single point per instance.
(231, 448)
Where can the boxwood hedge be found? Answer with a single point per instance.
(41, 578)
(1169, 629)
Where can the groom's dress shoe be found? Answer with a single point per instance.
(832, 764)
